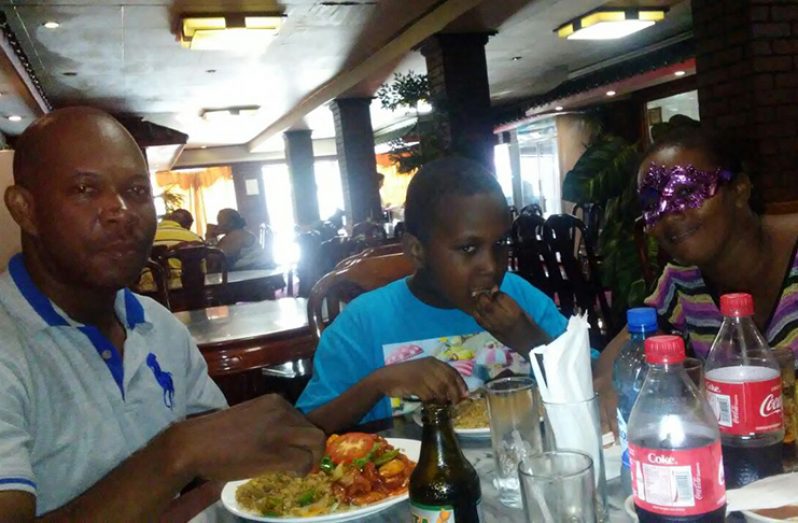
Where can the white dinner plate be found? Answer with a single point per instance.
(482, 433)
(410, 447)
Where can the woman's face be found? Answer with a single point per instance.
(692, 236)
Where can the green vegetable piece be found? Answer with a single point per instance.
(306, 498)
(385, 458)
(327, 464)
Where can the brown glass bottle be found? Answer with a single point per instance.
(444, 487)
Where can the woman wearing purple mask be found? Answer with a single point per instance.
(696, 202)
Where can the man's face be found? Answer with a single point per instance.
(466, 250)
(93, 209)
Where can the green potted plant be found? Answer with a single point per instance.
(606, 175)
(420, 143)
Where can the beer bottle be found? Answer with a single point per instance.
(444, 487)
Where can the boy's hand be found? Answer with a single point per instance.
(428, 378)
(501, 316)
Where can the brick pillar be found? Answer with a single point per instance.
(458, 76)
(747, 69)
(354, 140)
(299, 155)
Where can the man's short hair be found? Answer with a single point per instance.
(440, 178)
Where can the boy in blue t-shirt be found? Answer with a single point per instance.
(457, 322)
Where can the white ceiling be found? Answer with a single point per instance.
(127, 59)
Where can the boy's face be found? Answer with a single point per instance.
(466, 252)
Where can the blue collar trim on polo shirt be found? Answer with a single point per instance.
(134, 315)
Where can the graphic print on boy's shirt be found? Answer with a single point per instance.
(477, 357)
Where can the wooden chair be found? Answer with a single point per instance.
(160, 291)
(342, 285)
(576, 280)
(195, 259)
(529, 252)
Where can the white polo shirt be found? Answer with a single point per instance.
(71, 409)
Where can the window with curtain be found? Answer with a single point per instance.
(203, 192)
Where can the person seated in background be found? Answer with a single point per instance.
(458, 321)
(174, 229)
(97, 383)
(240, 246)
(696, 201)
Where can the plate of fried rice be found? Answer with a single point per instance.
(331, 493)
(469, 418)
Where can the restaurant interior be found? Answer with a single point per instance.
(309, 119)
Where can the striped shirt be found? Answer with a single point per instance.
(685, 301)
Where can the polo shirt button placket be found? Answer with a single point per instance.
(106, 355)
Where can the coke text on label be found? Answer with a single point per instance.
(679, 482)
(746, 408)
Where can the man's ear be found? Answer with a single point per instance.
(413, 248)
(20, 204)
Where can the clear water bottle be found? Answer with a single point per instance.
(743, 386)
(628, 374)
(674, 443)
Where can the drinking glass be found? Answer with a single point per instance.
(514, 432)
(695, 371)
(786, 359)
(576, 426)
(558, 487)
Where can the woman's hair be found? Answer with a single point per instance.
(721, 149)
(236, 221)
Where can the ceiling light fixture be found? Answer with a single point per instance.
(609, 24)
(15, 118)
(558, 108)
(51, 24)
(679, 73)
(242, 32)
(228, 112)
(610, 93)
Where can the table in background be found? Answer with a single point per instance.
(478, 452)
(249, 285)
(239, 340)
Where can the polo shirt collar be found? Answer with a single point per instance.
(127, 306)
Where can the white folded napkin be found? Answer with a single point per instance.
(772, 492)
(566, 362)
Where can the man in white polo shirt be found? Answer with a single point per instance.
(96, 383)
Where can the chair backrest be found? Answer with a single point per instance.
(342, 285)
(576, 280)
(155, 284)
(591, 215)
(529, 252)
(308, 268)
(195, 260)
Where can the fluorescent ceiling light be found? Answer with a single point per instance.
(610, 93)
(609, 24)
(15, 118)
(679, 73)
(229, 33)
(229, 112)
(51, 24)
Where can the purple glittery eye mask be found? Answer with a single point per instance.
(666, 190)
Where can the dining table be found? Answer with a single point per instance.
(243, 285)
(238, 341)
(477, 450)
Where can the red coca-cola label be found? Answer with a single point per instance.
(684, 482)
(750, 407)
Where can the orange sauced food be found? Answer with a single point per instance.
(357, 469)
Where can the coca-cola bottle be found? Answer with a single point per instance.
(743, 386)
(674, 443)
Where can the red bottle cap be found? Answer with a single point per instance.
(662, 350)
(737, 305)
